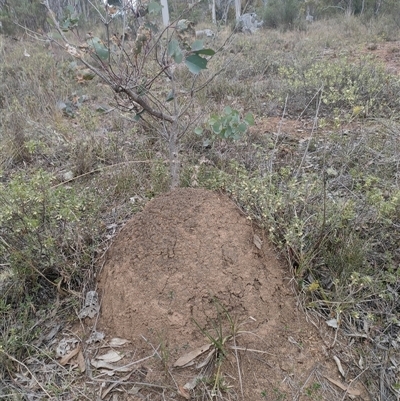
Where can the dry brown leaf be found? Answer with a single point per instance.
(187, 358)
(206, 360)
(65, 359)
(107, 390)
(81, 361)
(134, 390)
(350, 391)
(339, 366)
(183, 392)
(117, 342)
(191, 384)
(105, 365)
(111, 356)
(361, 362)
(257, 241)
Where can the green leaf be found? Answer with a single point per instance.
(171, 96)
(198, 131)
(249, 119)
(154, 7)
(141, 90)
(153, 27)
(228, 132)
(173, 45)
(197, 45)
(206, 52)
(213, 118)
(242, 128)
(65, 26)
(228, 110)
(236, 118)
(183, 25)
(196, 63)
(178, 56)
(233, 124)
(138, 116)
(175, 51)
(229, 121)
(216, 127)
(98, 47)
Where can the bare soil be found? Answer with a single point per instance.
(188, 265)
(386, 52)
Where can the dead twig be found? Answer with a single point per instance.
(28, 370)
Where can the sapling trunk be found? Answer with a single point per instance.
(174, 157)
(173, 139)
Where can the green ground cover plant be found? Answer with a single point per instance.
(360, 87)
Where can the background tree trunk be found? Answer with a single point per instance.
(165, 12)
(238, 5)
(213, 13)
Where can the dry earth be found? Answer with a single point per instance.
(388, 53)
(189, 265)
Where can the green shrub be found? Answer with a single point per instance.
(281, 13)
(358, 88)
(229, 125)
(17, 331)
(45, 238)
(47, 241)
(31, 82)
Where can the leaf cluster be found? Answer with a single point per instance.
(229, 125)
(70, 19)
(193, 57)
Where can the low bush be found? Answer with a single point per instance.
(47, 244)
(347, 86)
(45, 235)
(281, 13)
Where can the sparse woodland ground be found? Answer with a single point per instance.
(319, 171)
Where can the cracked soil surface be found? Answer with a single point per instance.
(189, 265)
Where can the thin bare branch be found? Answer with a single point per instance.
(139, 100)
(54, 19)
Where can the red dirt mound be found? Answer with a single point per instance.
(192, 259)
